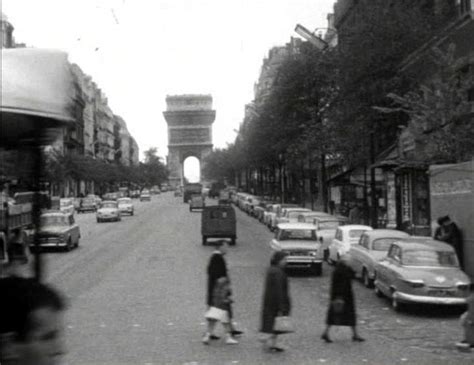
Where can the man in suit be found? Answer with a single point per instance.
(217, 268)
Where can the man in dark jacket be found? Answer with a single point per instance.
(449, 232)
(217, 268)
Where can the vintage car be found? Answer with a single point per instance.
(87, 205)
(269, 213)
(125, 206)
(308, 217)
(97, 198)
(372, 247)
(57, 230)
(145, 196)
(288, 215)
(218, 221)
(260, 209)
(196, 202)
(300, 242)
(326, 226)
(108, 211)
(421, 270)
(66, 205)
(345, 237)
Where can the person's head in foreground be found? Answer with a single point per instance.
(31, 325)
(278, 259)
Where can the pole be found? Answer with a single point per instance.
(373, 193)
(37, 171)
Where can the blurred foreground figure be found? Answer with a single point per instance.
(31, 324)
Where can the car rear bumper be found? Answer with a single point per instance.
(302, 261)
(429, 299)
(51, 242)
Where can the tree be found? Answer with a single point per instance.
(153, 171)
(439, 111)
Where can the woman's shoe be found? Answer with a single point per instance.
(276, 349)
(326, 338)
(231, 341)
(358, 339)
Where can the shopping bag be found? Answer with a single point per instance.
(217, 314)
(283, 324)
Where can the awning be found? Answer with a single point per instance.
(37, 93)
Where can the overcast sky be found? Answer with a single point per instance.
(139, 51)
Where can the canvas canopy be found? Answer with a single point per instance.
(37, 94)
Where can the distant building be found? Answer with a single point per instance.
(7, 33)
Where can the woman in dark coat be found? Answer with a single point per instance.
(342, 313)
(276, 300)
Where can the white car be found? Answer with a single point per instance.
(66, 205)
(372, 247)
(108, 211)
(300, 242)
(344, 238)
(288, 215)
(125, 206)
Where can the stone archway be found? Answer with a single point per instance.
(189, 119)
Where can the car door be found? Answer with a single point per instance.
(386, 269)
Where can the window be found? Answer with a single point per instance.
(430, 258)
(298, 234)
(382, 244)
(364, 241)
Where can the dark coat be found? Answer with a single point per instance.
(451, 234)
(276, 300)
(341, 287)
(221, 296)
(216, 268)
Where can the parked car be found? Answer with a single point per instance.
(372, 247)
(112, 196)
(269, 213)
(326, 226)
(288, 215)
(218, 221)
(66, 205)
(308, 217)
(345, 237)
(108, 211)
(145, 196)
(421, 270)
(196, 202)
(300, 242)
(97, 199)
(260, 209)
(58, 230)
(134, 194)
(125, 206)
(87, 205)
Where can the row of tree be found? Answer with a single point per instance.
(59, 167)
(342, 106)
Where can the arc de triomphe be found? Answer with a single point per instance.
(189, 119)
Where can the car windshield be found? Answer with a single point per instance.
(109, 205)
(383, 244)
(297, 234)
(294, 214)
(53, 221)
(88, 201)
(328, 224)
(124, 201)
(429, 258)
(356, 233)
(65, 203)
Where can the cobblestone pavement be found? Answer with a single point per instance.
(137, 293)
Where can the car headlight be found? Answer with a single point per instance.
(313, 253)
(462, 286)
(415, 283)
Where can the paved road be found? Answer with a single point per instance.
(136, 290)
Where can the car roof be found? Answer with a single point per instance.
(296, 226)
(295, 209)
(350, 227)
(422, 243)
(54, 213)
(386, 233)
(109, 201)
(316, 214)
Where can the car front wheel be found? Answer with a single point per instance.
(396, 305)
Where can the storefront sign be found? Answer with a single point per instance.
(406, 198)
(455, 187)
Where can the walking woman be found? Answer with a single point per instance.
(276, 300)
(341, 310)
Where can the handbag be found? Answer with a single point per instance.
(217, 314)
(283, 324)
(338, 305)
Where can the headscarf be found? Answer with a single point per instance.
(277, 257)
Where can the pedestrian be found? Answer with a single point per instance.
(449, 232)
(341, 311)
(219, 311)
(355, 214)
(276, 301)
(31, 329)
(217, 268)
(467, 322)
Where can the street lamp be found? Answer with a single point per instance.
(312, 37)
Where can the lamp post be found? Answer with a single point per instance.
(313, 37)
